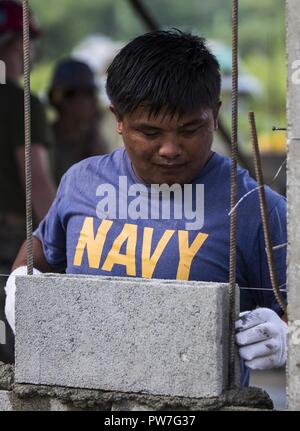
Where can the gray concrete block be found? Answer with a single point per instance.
(293, 195)
(9, 402)
(6, 376)
(5, 401)
(293, 67)
(58, 406)
(124, 334)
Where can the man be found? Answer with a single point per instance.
(12, 160)
(110, 217)
(77, 134)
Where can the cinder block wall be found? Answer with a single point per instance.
(100, 343)
(293, 195)
(114, 344)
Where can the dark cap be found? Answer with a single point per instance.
(70, 74)
(11, 19)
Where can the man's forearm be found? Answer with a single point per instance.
(39, 260)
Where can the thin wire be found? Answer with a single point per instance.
(241, 200)
(277, 247)
(257, 188)
(260, 289)
(264, 213)
(233, 196)
(279, 170)
(27, 133)
(241, 288)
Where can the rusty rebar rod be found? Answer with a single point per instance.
(27, 132)
(144, 14)
(264, 212)
(233, 197)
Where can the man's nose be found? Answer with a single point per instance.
(170, 148)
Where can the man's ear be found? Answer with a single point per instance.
(119, 121)
(216, 114)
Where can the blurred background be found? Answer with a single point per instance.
(80, 39)
(94, 30)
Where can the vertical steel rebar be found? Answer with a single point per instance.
(27, 134)
(233, 196)
(264, 212)
(143, 12)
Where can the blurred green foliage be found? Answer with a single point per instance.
(261, 30)
(66, 22)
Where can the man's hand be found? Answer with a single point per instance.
(10, 290)
(262, 338)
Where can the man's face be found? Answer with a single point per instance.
(168, 150)
(12, 53)
(82, 105)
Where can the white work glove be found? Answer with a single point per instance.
(262, 339)
(10, 290)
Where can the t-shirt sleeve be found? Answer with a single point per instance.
(40, 130)
(52, 233)
(259, 275)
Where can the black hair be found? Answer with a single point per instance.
(164, 70)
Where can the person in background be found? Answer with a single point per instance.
(12, 160)
(77, 135)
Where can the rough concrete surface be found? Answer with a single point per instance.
(293, 195)
(5, 401)
(274, 383)
(122, 334)
(6, 376)
(46, 398)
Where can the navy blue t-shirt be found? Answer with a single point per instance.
(80, 239)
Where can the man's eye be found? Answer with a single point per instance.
(190, 131)
(150, 134)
